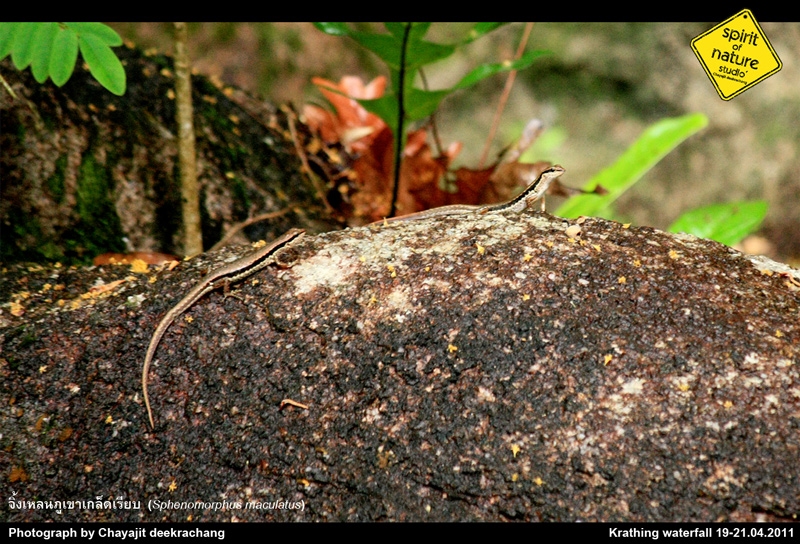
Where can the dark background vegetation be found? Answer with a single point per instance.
(603, 84)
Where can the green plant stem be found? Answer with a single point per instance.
(399, 135)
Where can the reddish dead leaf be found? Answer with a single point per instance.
(421, 174)
(425, 180)
(372, 173)
(348, 125)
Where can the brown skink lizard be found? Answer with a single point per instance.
(230, 273)
(525, 199)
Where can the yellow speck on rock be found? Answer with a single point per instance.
(17, 309)
(138, 266)
(18, 474)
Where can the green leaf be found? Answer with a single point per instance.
(383, 45)
(420, 104)
(485, 70)
(8, 32)
(103, 63)
(388, 49)
(107, 34)
(22, 50)
(334, 29)
(418, 31)
(421, 53)
(42, 50)
(388, 46)
(384, 107)
(397, 30)
(481, 29)
(656, 141)
(726, 223)
(63, 62)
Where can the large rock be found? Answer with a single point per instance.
(489, 368)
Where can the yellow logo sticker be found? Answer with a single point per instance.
(736, 55)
